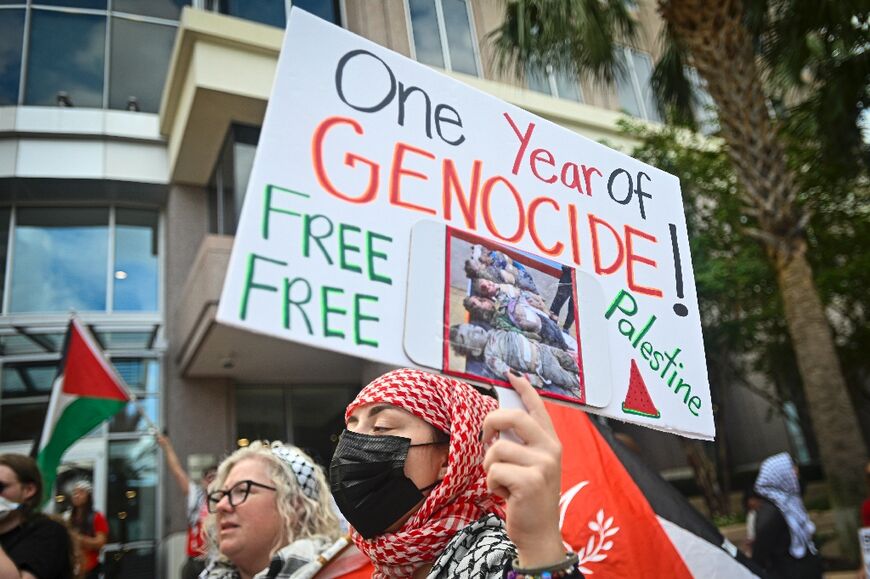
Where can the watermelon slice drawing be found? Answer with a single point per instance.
(637, 400)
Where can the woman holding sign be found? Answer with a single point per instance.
(433, 492)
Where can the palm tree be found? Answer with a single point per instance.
(752, 54)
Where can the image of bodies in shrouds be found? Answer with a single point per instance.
(510, 310)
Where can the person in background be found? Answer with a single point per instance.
(432, 491)
(197, 547)
(783, 543)
(271, 516)
(32, 545)
(90, 528)
(751, 503)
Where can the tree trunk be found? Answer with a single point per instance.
(839, 438)
(721, 50)
(705, 477)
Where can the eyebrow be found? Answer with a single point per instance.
(377, 409)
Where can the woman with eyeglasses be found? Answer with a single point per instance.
(432, 491)
(271, 515)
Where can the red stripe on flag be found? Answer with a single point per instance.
(85, 372)
(605, 517)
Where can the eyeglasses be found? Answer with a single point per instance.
(236, 495)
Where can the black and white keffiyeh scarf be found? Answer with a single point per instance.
(481, 550)
(298, 560)
(778, 483)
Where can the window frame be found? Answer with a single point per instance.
(553, 85)
(442, 34)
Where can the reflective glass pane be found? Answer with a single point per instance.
(60, 260)
(643, 69)
(538, 79)
(22, 421)
(135, 273)
(126, 563)
(427, 39)
(625, 87)
(130, 419)
(124, 340)
(158, 8)
(243, 162)
(318, 417)
(13, 344)
(136, 73)
(566, 84)
(460, 39)
(5, 212)
(326, 9)
(140, 374)
(97, 4)
(11, 37)
(27, 379)
(260, 413)
(131, 498)
(264, 11)
(66, 55)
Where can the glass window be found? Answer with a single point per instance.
(318, 418)
(140, 374)
(130, 419)
(435, 23)
(22, 421)
(460, 40)
(260, 413)
(561, 84)
(643, 69)
(263, 11)
(169, 9)
(326, 9)
(66, 56)
(567, 86)
(5, 212)
(135, 272)
(136, 73)
(633, 85)
(95, 4)
(131, 563)
(60, 260)
(11, 36)
(230, 181)
(538, 80)
(21, 380)
(427, 35)
(131, 498)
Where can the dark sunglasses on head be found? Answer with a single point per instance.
(236, 494)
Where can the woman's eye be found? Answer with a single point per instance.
(380, 428)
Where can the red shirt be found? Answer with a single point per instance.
(92, 556)
(865, 513)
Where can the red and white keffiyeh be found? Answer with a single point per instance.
(461, 498)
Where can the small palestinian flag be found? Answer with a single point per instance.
(86, 392)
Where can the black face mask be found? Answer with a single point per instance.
(368, 482)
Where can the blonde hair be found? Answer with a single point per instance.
(303, 517)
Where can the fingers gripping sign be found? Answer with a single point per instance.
(523, 466)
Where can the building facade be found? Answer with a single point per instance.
(127, 134)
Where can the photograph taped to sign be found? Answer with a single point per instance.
(500, 309)
(359, 144)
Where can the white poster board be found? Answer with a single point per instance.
(514, 220)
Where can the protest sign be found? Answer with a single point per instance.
(398, 215)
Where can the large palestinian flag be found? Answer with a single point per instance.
(624, 520)
(86, 392)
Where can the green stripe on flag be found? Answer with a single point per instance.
(77, 420)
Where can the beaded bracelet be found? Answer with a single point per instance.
(566, 569)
